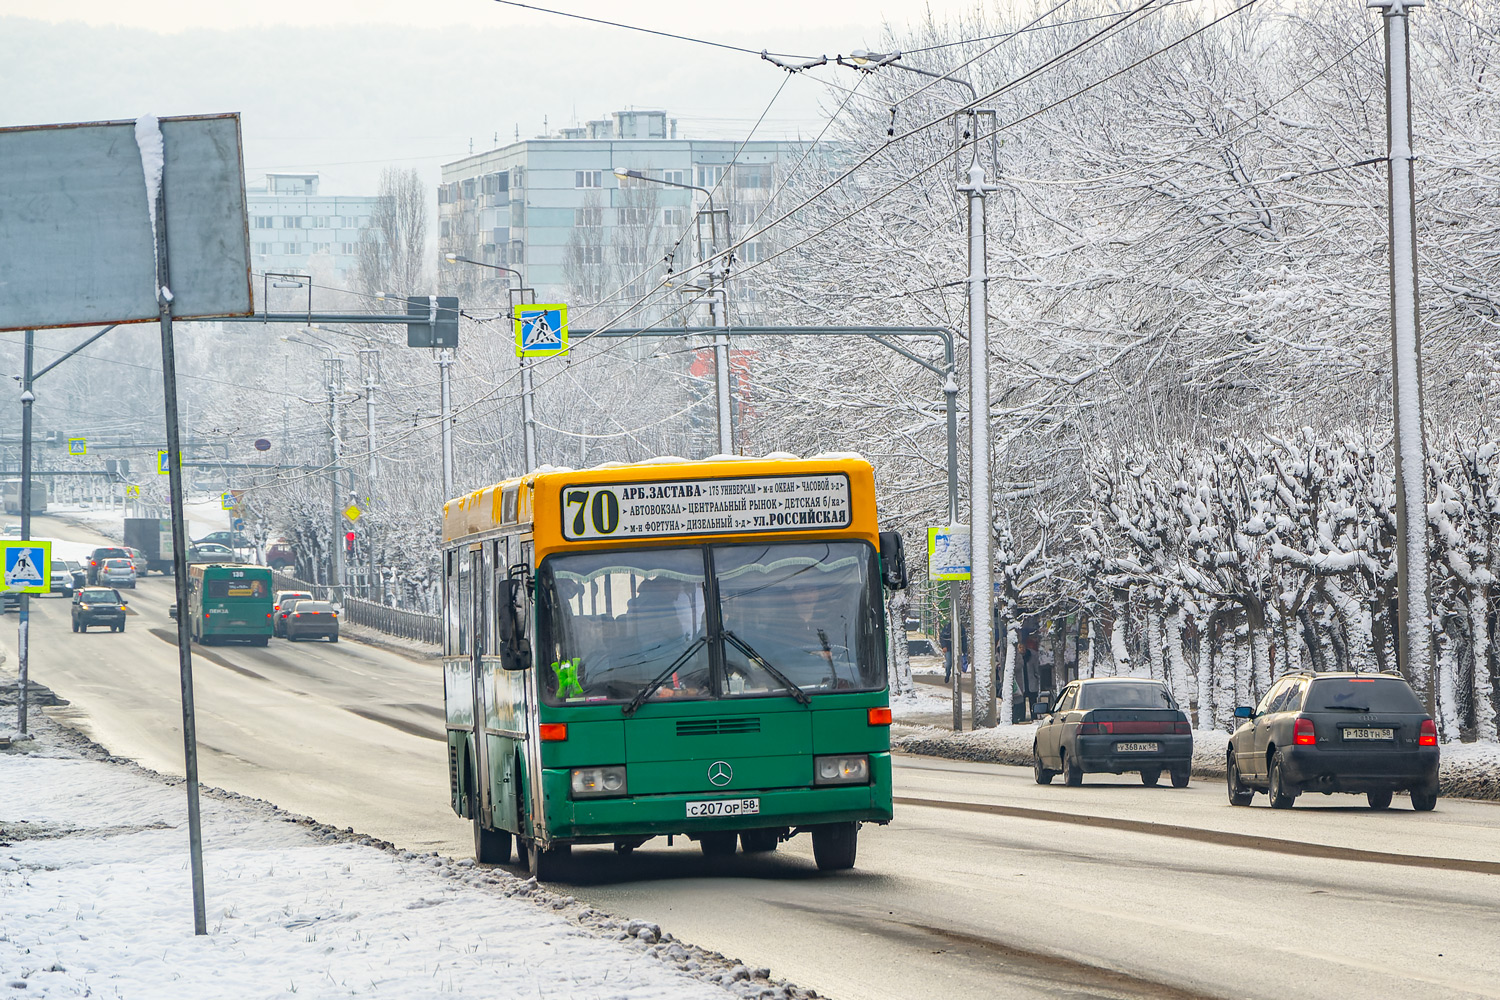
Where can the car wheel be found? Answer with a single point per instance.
(1072, 771)
(1181, 776)
(1424, 800)
(1282, 795)
(1380, 799)
(835, 845)
(75, 626)
(1150, 776)
(1044, 775)
(758, 841)
(333, 638)
(121, 628)
(1240, 794)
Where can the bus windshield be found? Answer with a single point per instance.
(796, 614)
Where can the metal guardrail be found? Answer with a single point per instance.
(372, 614)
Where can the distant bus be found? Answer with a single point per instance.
(10, 490)
(689, 648)
(229, 602)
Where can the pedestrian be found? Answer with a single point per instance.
(945, 643)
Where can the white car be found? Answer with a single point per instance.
(117, 573)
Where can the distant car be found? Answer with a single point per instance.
(283, 601)
(116, 573)
(97, 557)
(228, 539)
(209, 552)
(1335, 732)
(312, 620)
(80, 578)
(98, 606)
(10, 600)
(12, 531)
(62, 579)
(1114, 725)
(280, 555)
(139, 561)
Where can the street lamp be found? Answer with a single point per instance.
(716, 276)
(528, 414)
(973, 180)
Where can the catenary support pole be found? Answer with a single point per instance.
(981, 646)
(23, 630)
(950, 403)
(718, 307)
(1415, 631)
(179, 564)
(445, 362)
(528, 413)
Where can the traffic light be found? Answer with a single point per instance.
(349, 542)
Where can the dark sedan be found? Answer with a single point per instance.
(98, 606)
(1114, 725)
(1335, 732)
(312, 620)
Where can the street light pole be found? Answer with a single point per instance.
(1413, 627)
(23, 635)
(718, 301)
(528, 408)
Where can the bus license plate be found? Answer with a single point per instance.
(724, 807)
(1368, 734)
(1137, 747)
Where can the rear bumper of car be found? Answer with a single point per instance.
(311, 633)
(1368, 769)
(1101, 753)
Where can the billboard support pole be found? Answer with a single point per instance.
(179, 560)
(23, 632)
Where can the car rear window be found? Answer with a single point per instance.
(1364, 694)
(111, 554)
(100, 597)
(118, 563)
(308, 607)
(1125, 694)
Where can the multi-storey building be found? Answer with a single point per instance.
(554, 209)
(295, 229)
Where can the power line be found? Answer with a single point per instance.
(647, 31)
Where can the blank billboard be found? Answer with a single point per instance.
(76, 242)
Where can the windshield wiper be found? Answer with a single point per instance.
(744, 647)
(1346, 708)
(661, 678)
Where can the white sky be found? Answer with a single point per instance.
(762, 16)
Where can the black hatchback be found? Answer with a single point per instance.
(98, 606)
(1114, 725)
(1335, 732)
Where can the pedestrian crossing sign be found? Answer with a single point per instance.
(163, 464)
(541, 330)
(78, 446)
(28, 566)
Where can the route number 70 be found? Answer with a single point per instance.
(600, 511)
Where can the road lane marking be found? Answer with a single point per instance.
(1219, 837)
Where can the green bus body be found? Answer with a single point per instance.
(692, 764)
(228, 602)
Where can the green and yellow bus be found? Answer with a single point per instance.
(228, 601)
(669, 648)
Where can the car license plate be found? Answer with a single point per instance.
(724, 807)
(1137, 747)
(1368, 734)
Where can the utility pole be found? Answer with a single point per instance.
(974, 181)
(23, 636)
(444, 362)
(333, 377)
(369, 366)
(1414, 629)
(718, 310)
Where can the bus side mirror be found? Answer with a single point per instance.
(893, 560)
(515, 648)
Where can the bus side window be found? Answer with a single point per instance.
(450, 604)
(465, 599)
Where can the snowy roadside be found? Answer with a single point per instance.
(1469, 770)
(95, 900)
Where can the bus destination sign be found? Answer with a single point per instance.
(706, 507)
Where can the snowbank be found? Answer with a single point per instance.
(1469, 770)
(95, 900)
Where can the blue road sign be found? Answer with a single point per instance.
(163, 462)
(541, 330)
(28, 566)
(238, 524)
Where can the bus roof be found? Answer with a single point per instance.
(537, 497)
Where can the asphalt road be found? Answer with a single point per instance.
(986, 885)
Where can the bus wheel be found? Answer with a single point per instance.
(718, 844)
(262, 640)
(491, 847)
(834, 845)
(757, 841)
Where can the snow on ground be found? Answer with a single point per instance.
(204, 514)
(95, 900)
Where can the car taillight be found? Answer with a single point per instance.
(1182, 728)
(879, 716)
(1093, 728)
(1427, 737)
(296, 614)
(1303, 733)
(553, 732)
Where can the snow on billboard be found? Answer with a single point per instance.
(76, 229)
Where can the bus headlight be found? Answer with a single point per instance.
(843, 769)
(598, 782)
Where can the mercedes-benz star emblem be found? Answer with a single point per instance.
(719, 773)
